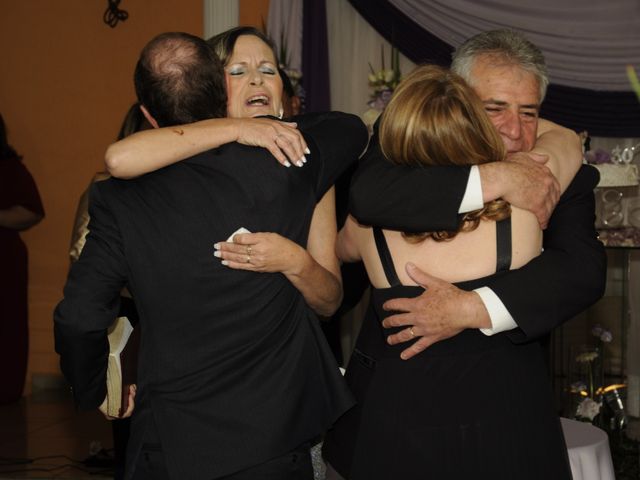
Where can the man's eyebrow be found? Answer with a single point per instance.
(502, 103)
(493, 101)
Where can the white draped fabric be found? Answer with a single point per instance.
(353, 44)
(219, 15)
(587, 44)
(285, 23)
(588, 449)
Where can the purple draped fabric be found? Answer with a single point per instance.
(315, 56)
(601, 113)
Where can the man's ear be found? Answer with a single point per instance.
(149, 117)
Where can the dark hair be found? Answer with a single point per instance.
(133, 122)
(287, 86)
(224, 43)
(6, 151)
(179, 79)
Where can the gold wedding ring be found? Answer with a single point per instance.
(411, 332)
(248, 258)
(249, 250)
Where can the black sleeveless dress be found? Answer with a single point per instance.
(471, 406)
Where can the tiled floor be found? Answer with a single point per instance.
(43, 437)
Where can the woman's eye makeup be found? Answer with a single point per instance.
(268, 70)
(236, 71)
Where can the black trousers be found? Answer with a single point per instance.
(294, 465)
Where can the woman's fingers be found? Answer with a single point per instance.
(291, 143)
(238, 254)
(283, 140)
(260, 252)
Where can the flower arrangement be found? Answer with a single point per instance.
(592, 391)
(384, 81)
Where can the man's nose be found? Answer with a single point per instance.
(511, 126)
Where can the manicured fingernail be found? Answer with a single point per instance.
(299, 163)
(217, 253)
(303, 159)
(307, 151)
(224, 262)
(216, 246)
(287, 164)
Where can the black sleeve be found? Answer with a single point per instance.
(568, 276)
(412, 199)
(90, 305)
(337, 139)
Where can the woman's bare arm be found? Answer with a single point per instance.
(564, 149)
(346, 245)
(18, 217)
(150, 150)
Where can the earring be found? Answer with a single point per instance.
(281, 114)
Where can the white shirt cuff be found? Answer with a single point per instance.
(501, 319)
(472, 199)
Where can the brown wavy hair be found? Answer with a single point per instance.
(434, 119)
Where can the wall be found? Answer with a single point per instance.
(66, 83)
(253, 12)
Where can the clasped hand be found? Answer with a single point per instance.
(441, 312)
(130, 406)
(260, 252)
(283, 140)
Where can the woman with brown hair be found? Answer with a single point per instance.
(254, 88)
(451, 411)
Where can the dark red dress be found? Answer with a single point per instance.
(16, 188)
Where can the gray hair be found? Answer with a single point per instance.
(507, 45)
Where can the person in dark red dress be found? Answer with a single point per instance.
(20, 209)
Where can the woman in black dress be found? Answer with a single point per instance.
(20, 209)
(466, 407)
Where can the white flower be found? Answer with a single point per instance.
(606, 336)
(388, 76)
(294, 74)
(578, 386)
(370, 116)
(596, 331)
(372, 78)
(588, 408)
(586, 357)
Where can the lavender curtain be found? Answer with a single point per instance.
(428, 30)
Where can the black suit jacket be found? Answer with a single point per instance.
(565, 279)
(233, 368)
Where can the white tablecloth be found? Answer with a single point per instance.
(589, 452)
